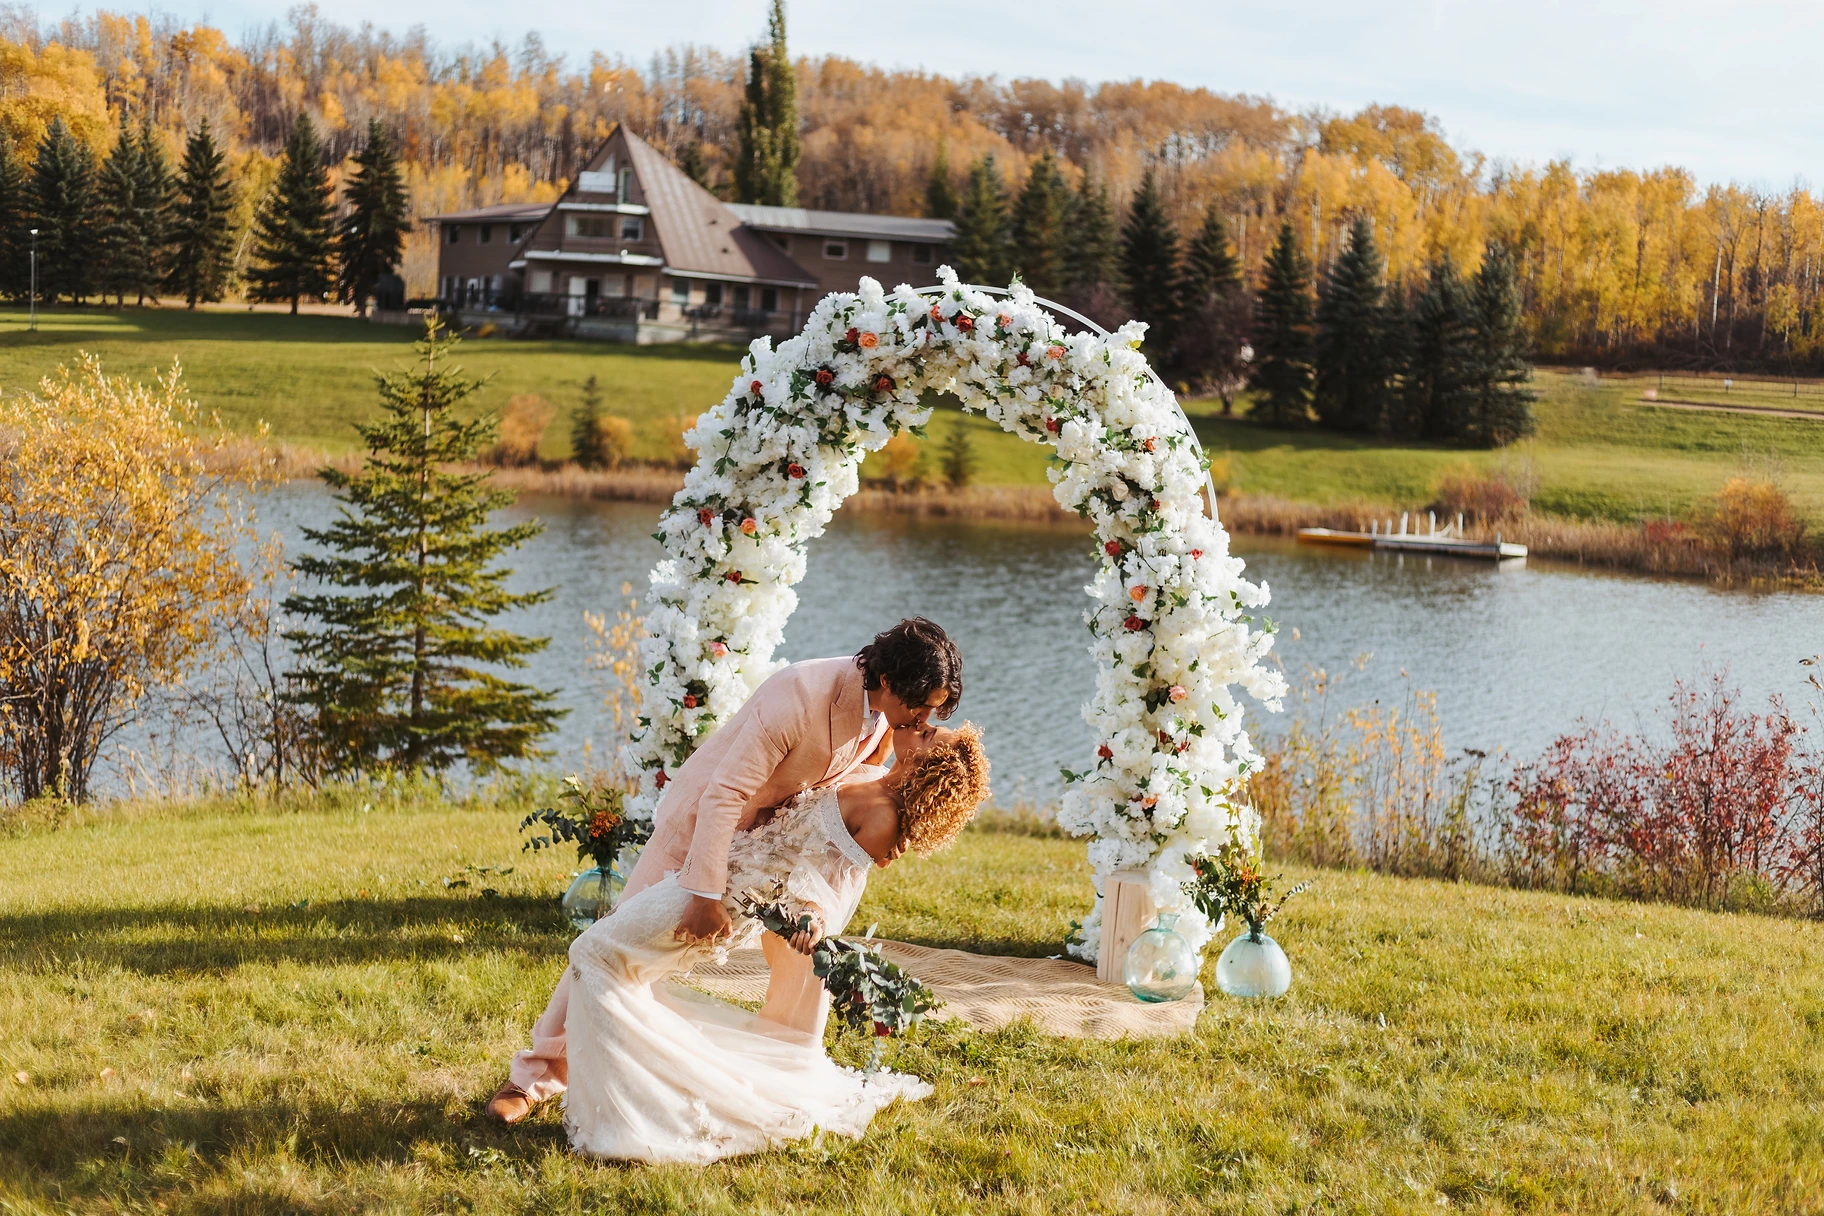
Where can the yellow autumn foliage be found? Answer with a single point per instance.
(119, 563)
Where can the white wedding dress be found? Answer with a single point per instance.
(661, 1073)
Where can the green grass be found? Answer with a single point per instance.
(1599, 452)
(1443, 1048)
(310, 378)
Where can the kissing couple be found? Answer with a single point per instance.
(832, 767)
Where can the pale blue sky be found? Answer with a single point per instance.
(1727, 90)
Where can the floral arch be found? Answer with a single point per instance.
(1172, 638)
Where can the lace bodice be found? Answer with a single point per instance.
(807, 855)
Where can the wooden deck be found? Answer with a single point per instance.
(1443, 542)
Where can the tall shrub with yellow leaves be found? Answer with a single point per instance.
(118, 564)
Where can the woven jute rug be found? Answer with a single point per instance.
(989, 991)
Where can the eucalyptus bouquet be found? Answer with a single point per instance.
(1231, 882)
(868, 994)
(594, 819)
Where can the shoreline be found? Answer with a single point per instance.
(1604, 544)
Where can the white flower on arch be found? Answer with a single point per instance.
(1172, 634)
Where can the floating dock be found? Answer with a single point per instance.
(1447, 540)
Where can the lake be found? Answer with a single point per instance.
(1515, 655)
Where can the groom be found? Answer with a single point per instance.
(806, 726)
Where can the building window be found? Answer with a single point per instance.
(539, 282)
(487, 234)
(880, 251)
(455, 233)
(625, 192)
(632, 229)
(589, 225)
(741, 297)
(712, 294)
(680, 292)
(513, 233)
(921, 254)
(836, 251)
(769, 299)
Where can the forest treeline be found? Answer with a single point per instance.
(1611, 265)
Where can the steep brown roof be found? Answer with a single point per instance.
(500, 211)
(699, 233)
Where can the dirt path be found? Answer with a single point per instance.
(1766, 411)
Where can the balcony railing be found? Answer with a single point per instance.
(624, 308)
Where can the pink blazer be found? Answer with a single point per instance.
(802, 727)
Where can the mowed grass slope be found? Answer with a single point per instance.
(300, 1016)
(1598, 452)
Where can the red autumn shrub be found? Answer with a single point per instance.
(1483, 497)
(1729, 810)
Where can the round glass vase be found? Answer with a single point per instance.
(592, 895)
(1254, 965)
(1160, 966)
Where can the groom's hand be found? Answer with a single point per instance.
(704, 920)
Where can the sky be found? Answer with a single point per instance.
(1726, 90)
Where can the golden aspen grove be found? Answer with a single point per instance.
(1616, 265)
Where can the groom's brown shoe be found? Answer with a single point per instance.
(510, 1103)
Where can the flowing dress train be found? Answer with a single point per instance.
(661, 1073)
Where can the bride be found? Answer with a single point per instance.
(661, 1073)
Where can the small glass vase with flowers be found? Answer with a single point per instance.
(593, 818)
(1231, 882)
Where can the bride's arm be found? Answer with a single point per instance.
(805, 940)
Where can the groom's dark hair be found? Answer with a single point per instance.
(915, 658)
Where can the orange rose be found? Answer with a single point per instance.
(1137, 594)
(869, 339)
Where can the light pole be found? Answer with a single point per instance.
(33, 324)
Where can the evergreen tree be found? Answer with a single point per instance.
(1149, 264)
(586, 427)
(1093, 246)
(1395, 324)
(122, 262)
(157, 195)
(1211, 268)
(1503, 403)
(63, 211)
(1439, 368)
(201, 249)
(389, 674)
(1282, 333)
(692, 162)
(15, 213)
(372, 238)
(958, 461)
(766, 129)
(1038, 227)
(940, 193)
(294, 229)
(1350, 390)
(983, 246)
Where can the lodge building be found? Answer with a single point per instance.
(635, 251)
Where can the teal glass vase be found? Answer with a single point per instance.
(1160, 965)
(1254, 966)
(592, 895)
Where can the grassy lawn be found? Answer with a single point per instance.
(1598, 452)
(291, 1012)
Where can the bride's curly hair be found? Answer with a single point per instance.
(943, 789)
